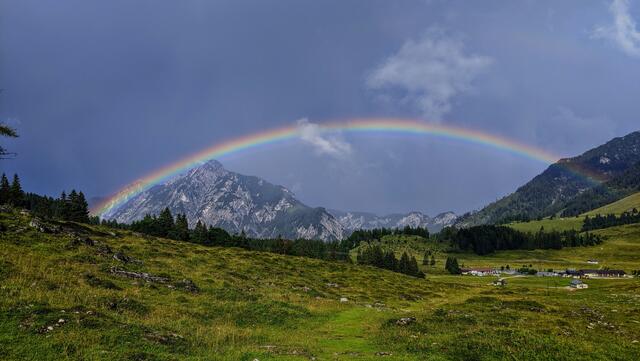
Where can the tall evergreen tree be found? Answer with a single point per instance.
(5, 189)
(16, 194)
(180, 230)
(165, 223)
(199, 234)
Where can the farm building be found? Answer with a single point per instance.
(609, 273)
(547, 274)
(480, 272)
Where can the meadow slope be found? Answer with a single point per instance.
(92, 293)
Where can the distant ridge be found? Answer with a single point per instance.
(352, 221)
(559, 187)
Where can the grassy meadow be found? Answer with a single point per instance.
(122, 296)
(624, 205)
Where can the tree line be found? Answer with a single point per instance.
(367, 235)
(72, 207)
(610, 220)
(373, 255)
(486, 239)
(166, 225)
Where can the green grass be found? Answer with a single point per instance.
(618, 207)
(556, 224)
(575, 223)
(253, 305)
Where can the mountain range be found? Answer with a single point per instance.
(239, 203)
(352, 221)
(236, 202)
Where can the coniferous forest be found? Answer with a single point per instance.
(610, 220)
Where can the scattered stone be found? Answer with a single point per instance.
(404, 321)
(104, 250)
(50, 328)
(141, 275)
(5, 208)
(62, 320)
(344, 299)
(383, 353)
(43, 227)
(119, 256)
(634, 341)
(334, 285)
(188, 285)
(79, 241)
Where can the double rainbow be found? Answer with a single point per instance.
(401, 126)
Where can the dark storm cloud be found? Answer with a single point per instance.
(104, 92)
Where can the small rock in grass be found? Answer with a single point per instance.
(404, 321)
(344, 299)
(61, 320)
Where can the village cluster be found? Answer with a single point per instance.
(577, 275)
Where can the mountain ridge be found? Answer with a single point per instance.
(235, 202)
(552, 190)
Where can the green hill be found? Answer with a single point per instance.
(92, 293)
(624, 205)
(568, 223)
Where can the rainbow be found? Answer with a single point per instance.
(402, 126)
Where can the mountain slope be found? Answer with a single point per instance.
(235, 202)
(352, 221)
(551, 191)
(617, 188)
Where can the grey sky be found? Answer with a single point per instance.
(102, 92)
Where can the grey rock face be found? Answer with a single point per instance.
(217, 197)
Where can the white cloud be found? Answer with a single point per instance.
(623, 31)
(429, 72)
(333, 146)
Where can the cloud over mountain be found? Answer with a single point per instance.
(311, 133)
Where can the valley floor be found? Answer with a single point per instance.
(89, 294)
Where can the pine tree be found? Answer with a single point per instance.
(452, 266)
(180, 230)
(16, 194)
(4, 189)
(403, 264)
(390, 262)
(414, 270)
(78, 208)
(425, 258)
(165, 223)
(199, 234)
